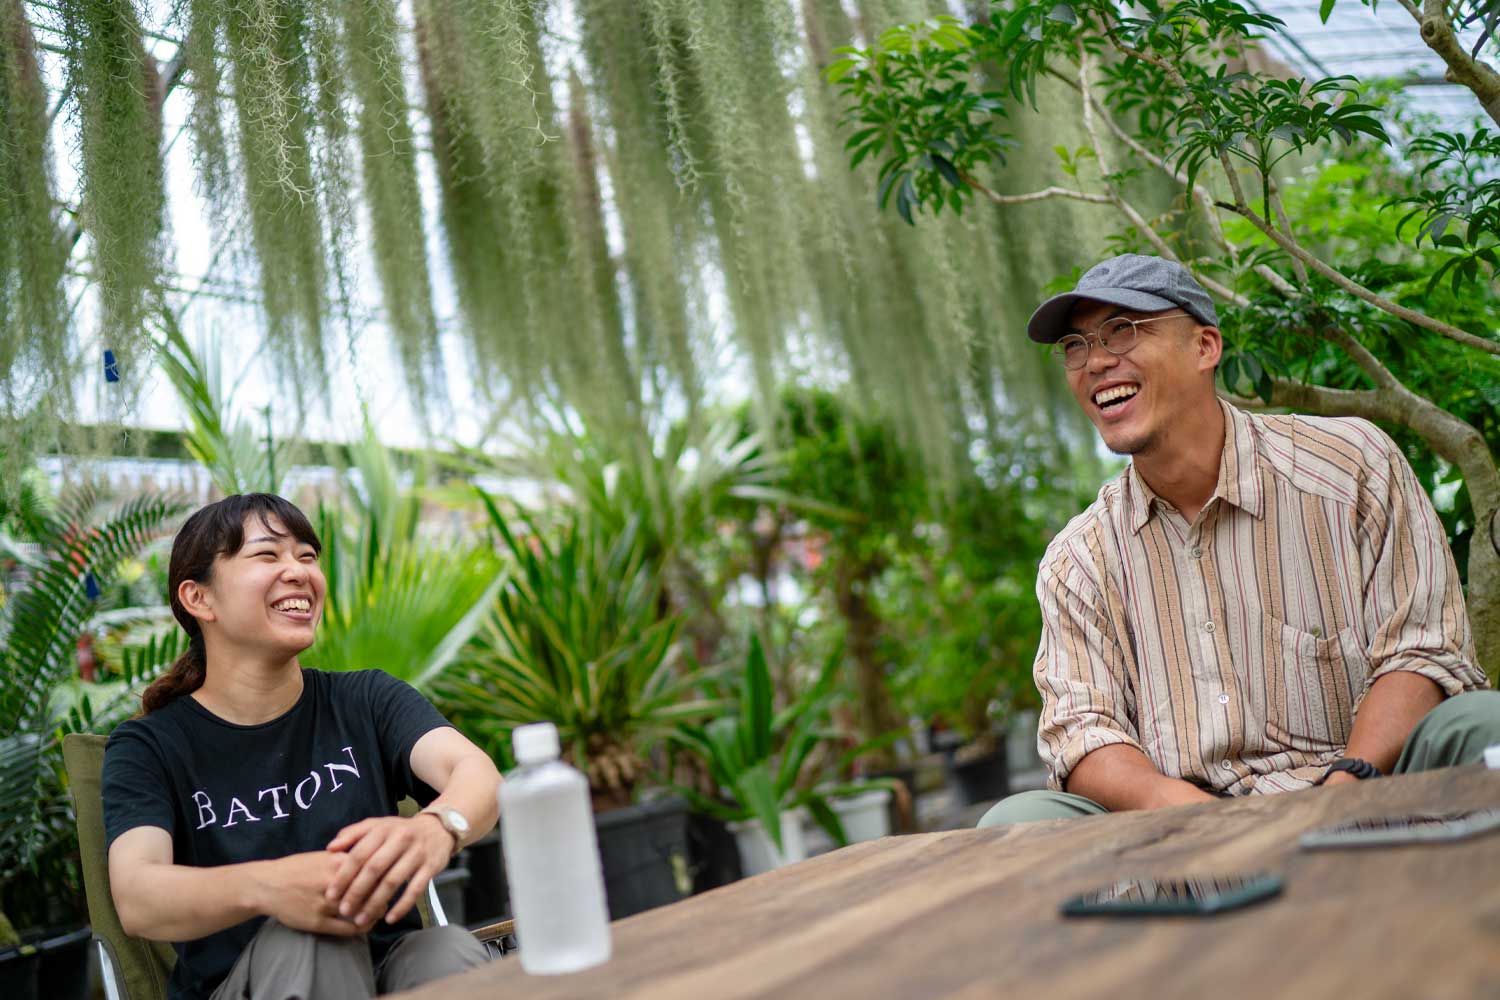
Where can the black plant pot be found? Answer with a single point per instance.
(487, 894)
(19, 968)
(714, 853)
(983, 779)
(644, 849)
(63, 971)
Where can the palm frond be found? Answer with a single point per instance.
(44, 620)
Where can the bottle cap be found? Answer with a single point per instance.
(1492, 757)
(536, 743)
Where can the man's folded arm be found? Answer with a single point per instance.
(1421, 650)
(1088, 737)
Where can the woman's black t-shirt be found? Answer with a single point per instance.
(229, 793)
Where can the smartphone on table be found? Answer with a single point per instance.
(1201, 896)
(1390, 831)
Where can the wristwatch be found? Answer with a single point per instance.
(1361, 769)
(453, 821)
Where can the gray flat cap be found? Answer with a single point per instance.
(1132, 280)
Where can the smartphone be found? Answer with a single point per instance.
(1386, 831)
(1174, 896)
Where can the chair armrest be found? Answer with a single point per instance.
(494, 932)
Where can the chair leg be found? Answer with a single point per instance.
(439, 917)
(114, 987)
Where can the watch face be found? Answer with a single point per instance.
(456, 821)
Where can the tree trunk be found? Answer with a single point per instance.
(875, 712)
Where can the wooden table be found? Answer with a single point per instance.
(973, 913)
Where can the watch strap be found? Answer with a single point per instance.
(1361, 769)
(438, 814)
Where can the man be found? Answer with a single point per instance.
(1257, 604)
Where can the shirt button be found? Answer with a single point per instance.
(1197, 552)
(1316, 631)
(1223, 699)
(1227, 766)
(1208, 626)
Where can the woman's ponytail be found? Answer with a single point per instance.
(185, 676)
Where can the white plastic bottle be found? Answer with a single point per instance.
(552, 858)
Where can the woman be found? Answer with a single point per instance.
(249, 811)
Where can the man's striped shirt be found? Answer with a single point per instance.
(1234, 651)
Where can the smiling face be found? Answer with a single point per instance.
(1135, 399)
(266, 597)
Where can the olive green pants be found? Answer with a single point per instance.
(1454, 733)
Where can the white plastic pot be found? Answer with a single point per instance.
(757, 851)
(865, 816)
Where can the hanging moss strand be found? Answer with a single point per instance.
(391, 193)
(267, 42)
(33, 326)
(118, 113)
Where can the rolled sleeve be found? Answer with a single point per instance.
(1087, 702)
(1413, 601)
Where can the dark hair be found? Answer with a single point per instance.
(216, 530)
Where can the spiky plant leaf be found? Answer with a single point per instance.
(576, 638)
(237, 457)
(42, 623)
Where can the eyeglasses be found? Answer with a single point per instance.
(1117, 336)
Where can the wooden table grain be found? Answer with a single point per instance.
(974, 913)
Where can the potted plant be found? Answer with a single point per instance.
(577, 637)
(48, 602)
(765, 765)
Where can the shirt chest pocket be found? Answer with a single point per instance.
(1312, 681)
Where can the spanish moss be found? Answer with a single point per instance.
(118, 110)
(268, 43)
(391, 193)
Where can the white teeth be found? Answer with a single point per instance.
(292, 604)
(1115, 392)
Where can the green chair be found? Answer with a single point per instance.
(137, 969)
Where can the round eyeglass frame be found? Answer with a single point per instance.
(1060, 348)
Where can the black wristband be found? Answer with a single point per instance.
(1361, 769)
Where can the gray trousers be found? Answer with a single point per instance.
(1455, 732)
(280, 963)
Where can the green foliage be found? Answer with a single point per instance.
(925, 156)
(913, 91)
(763, 760)
(671, 488)
(43, 620)
(1461, 213)
(1345, 206)
(39, 628)
(396, 601)
(964, 620)
(119, 94)
(868, 485)
(576, 638)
